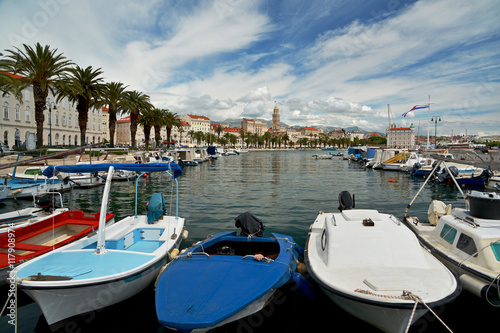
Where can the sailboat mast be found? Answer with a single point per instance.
(428, 121)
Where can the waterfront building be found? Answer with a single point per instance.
(254, 126)
(400, 137)
(336, 134)
(197, 123)
(18, 125)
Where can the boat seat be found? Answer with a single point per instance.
(29, 247)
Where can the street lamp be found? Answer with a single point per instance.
(435, 119)
(50, 104)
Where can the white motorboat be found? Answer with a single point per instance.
(110, 266)
(35, 173)
(43, 208)
(26, 189)
(322, 157)
(372, 266)
(493, 183)
(467, 240)
(185, 156)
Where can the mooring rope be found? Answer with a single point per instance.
(406, 296)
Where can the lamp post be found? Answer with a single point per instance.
(50, 104)
(435, 119)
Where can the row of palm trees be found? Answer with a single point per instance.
(46, 71)
(271, 139)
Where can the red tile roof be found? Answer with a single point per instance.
(198, 117)
(124, 120)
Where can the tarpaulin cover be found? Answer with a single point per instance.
(156, 207)
(173, 168)
(250, 225)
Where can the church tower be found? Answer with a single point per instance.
(276, 119)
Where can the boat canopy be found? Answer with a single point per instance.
(173, 168)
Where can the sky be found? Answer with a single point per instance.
(339, 63)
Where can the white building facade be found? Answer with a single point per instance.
(60, 128)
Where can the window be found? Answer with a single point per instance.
(448, 233)
(28, 114)
(6, 110)
(27, 95)
(64, 119)
(466, 244)
(70, 121)
(57, 119)
(18, 112)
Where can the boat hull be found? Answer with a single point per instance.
(214, 283)
(58, 304)
(385, 316)
(374, 268)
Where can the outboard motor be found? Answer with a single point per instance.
(346, 202)
(249, 225)
(446, 175)
(417, 166)
(45, 202)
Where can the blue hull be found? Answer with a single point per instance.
(216, 279)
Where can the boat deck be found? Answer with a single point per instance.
(85, 264)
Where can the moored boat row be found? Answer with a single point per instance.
(223, 256)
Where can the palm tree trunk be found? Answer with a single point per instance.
(83, 116)
(133, 128)
(40, 96)
(112, 125)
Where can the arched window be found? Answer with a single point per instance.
(17, 138)
(6, 137)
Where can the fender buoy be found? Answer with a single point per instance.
(301, 268)
(174, 253)
(392, 181)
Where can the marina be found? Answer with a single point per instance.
(286, 190)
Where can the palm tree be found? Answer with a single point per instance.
(147, 120)
(136, 102)
(114, 97)
(83, 86)
(160, 120)
(39, 67)
(172, 119)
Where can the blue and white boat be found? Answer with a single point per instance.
(221, 279)
(110, 266)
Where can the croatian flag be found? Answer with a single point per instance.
(416, 107)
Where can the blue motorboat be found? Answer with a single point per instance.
(220, 280)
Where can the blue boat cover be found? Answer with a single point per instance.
(156, 207)
(174, 168)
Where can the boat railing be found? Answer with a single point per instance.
(176, 193)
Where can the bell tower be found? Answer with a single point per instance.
(276, 119)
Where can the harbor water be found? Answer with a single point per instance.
(286, 190)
